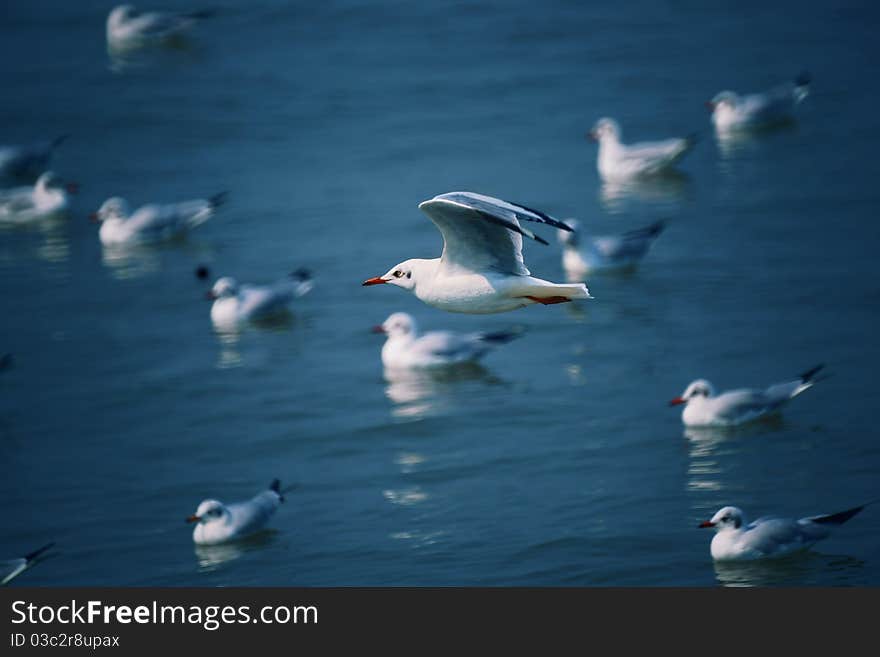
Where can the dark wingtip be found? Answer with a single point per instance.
(803, 79)
(837, 518)
(60, 139)
(302, 274)
(218, 199)
(501, 337)
(36, 553)
(202, 272)
(809, 374)
(202, 13)
(540, 239)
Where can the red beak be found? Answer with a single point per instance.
(591, 135)
(210, 296)
(72, 187)
(376, 280)
(706, 523)
(377, 329)
(93, 217)
(710, 105)
(193, 518)
(677, 401)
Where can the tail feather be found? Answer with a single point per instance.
(60, 139)
(202, 13)
(500, 337)
(302, 277)
(647, 231)
(30, 556)
(275, 486)
(809, 375)
(217, 200)
(837, 518)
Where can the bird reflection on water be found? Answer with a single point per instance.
(418, 393)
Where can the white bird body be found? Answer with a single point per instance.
(618, 161)
(25, 204)
(768, 537)
(605, 252)
(27, 161)
(481, 269)
(219, 523)
(731, 111)
(235, 304)
(405, 348)
(152, 222)
(734, 407)
(128, 28)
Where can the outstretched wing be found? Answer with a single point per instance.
(481, 232)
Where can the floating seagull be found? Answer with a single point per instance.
(730, 111)
(606, 252)
(47, 198)
(481, 269)
(618, 161)
(12, 568)
(406, 348)
(27, 161)
(767, 537)
(704, 408)
(128, 28)
(218, 522)
(152, 222)
(234, 303)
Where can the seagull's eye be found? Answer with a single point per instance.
(397, 273)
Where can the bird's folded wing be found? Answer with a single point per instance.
(481, 232)
(770, 535)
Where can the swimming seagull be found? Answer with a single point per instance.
(582, 255)
(619, 161)
(47, 198)
(27, 161)
(12, 568)
(218, 522)
(768, 536)
(405, 348)
(481, 268)
(704, 408)
(234, 303)
(152, 222)
(731, 111)
(129, 28)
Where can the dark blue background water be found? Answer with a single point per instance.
(558, 463)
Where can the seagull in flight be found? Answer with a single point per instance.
(481, 269)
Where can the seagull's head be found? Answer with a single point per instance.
(209, 511)
(568, 237)
(697, 389)
(397, 325)
(605, 128)
(723, 101)
(112, 208)
(729, 517)
(403, 275)
(223, 288)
